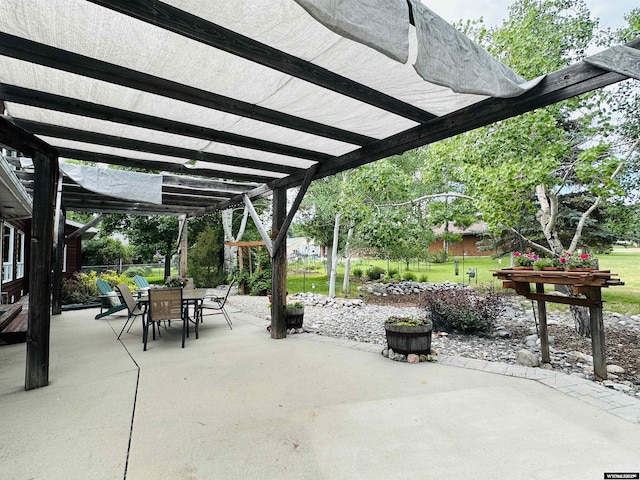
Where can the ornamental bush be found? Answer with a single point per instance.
(463, 310)
(357, 272)
(392, 273)
(114, 278)
(137, 270)
(409, 276)
(80, 288)
(375, 273)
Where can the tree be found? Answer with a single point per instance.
(317, 213)
(149, 235)
(206, 258)
(378, 195)
(105, 251)
(532, 165)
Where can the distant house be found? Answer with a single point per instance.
(471, 236)
(300, 247)
(15, 225)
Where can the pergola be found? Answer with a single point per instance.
(235, 101)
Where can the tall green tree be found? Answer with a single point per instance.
(148, 235)
(532, 165)
(206, 257)
(381, 203)
(105, 251)
(317, 214)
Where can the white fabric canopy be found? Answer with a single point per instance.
(133, 186)
(445, 56)
(249, 90)
(100, 33)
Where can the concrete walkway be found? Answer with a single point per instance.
(236, 404)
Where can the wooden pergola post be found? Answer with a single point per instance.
(542, 318)
(279, 268)
(594, 294)
(46, 179)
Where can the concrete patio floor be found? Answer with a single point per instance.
(236, 404)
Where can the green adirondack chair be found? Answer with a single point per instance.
(141, 282)
(110, 302)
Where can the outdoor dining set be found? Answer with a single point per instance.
(157, 305)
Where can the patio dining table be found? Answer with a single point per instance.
(190, 297)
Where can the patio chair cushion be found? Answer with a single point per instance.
(114, 300)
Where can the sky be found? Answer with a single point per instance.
(610, 12)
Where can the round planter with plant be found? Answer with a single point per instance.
(407, 335)
(295, 315)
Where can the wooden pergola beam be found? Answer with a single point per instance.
(282, 234)
(37, 98)
(131, 208)
(38, 331)
(278, 268)
(38, 128)
(77, 233)
(557, 86)
(196, 28)
(38, 53)
(159, 166)
(202, 183)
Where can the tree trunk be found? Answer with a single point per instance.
(347, 263)
(334, 257)
(230, 253)
(167, 261)
(184, 248)
(547, 217)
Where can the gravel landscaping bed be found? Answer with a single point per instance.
(362, 319)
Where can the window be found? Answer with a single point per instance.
(20, 262)
(7, 253)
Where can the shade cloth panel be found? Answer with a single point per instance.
(134, 186)
(445, 56)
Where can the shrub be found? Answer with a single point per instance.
(423, 278)
(81, 288)
(463, 310)
(409, 276)
(139, 270)
(392, 273)
(398, 321)
(439, 256)
(375, 273)
(260, 282)
(114, 278)
(357, 272)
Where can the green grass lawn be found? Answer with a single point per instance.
(624, 262)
